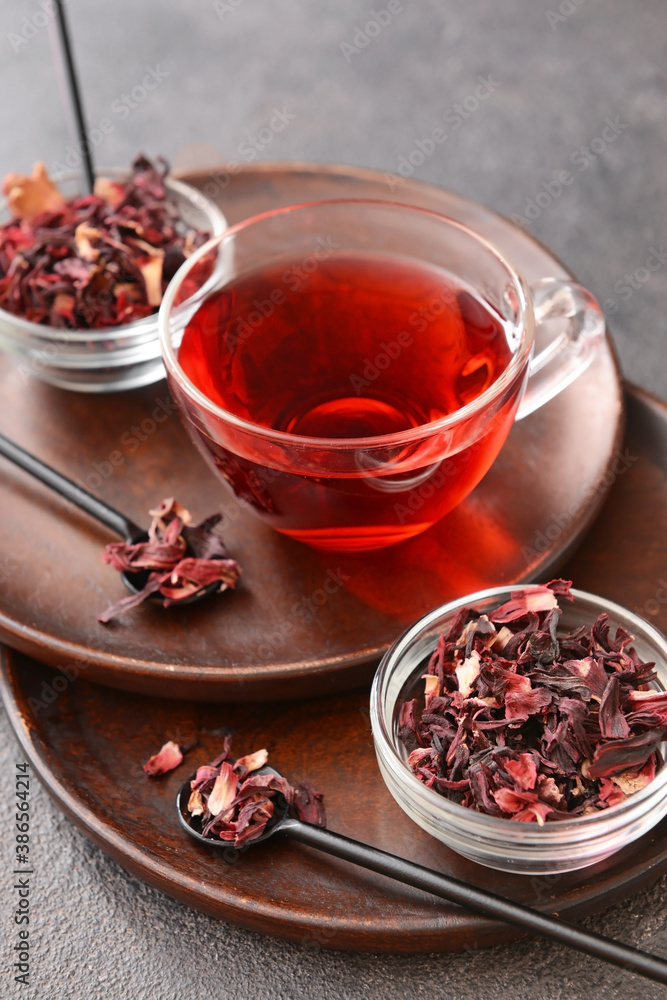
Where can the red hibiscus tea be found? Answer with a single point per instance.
(339, 347)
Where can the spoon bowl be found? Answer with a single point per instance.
(192, 824)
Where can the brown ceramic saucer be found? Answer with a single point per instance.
(87, 744)
(300, 623)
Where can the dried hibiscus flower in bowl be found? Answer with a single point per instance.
(82, 277)
(525, 727)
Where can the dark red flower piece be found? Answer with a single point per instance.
(523, 771)
(234, 803)
(308, 804)
(166, 759)
(618, 756)
(407, 725)
(613, 723)
(92, 262)
(173, 574)
(521, 721)
(524, 601)
(519, 705)
(592, 673)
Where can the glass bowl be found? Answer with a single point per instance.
(108, 360)
(525, 848)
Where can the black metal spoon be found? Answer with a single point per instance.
(101, 511)
(478, 900)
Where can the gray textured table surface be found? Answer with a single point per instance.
(571, 85)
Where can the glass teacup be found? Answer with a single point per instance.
(352, 368)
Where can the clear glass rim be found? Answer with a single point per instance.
(487, 397)
(63, 335)
(496, 826)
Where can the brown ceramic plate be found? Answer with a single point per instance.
(88, 743)
(300, 623)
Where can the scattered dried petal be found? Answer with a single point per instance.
(85, 249)
(513, 801)
(166, 759)
(633, 781)
(613, 724)
(467, 674)
(524, 601)
(618, 756)
(535, 812)
(431, 687)
(548, 790)
(520, 704)
(151, 272)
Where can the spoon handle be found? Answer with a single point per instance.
(479, 900)
(118, 523)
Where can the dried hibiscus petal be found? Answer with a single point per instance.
(308, 804)
(618, 756)
(96, 261)
(166, 759)
(233, 804)
(173, 574)
(520, 721)
(613, 723)
(523, 771)
(251, 762)
(29, 197)
(223, 792)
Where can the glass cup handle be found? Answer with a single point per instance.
(580, 326)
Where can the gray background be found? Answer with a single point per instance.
(223, 69)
